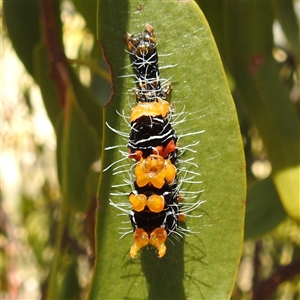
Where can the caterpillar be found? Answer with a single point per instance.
(152, 143)
(142, 48)
(155, 201)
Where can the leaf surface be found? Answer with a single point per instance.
(204, 263)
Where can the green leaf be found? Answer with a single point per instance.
(88, 105)
(100, 86)
(288, 185)
(203, 264)
(214, 13)
(77, 142)
(70, 288)
(89, 12)
(77, 149)
(22, 21)
(42, 76)
(266, 101)
(264, 209)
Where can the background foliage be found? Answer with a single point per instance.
(55, 225)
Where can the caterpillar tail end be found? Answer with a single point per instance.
(141, 239)
(157, 238)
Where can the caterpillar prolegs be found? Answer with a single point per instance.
(155, 201)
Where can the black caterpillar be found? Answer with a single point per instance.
(155, 202)
(152, 143)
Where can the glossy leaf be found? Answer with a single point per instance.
(203, 264)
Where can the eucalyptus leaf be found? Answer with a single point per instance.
(47, 86)
(204, 263)
(77, 132)
(288, 184)
(22, 21)
(77, 149)
(264, 209)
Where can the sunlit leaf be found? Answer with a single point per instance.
(288, 185)
(203, 264)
